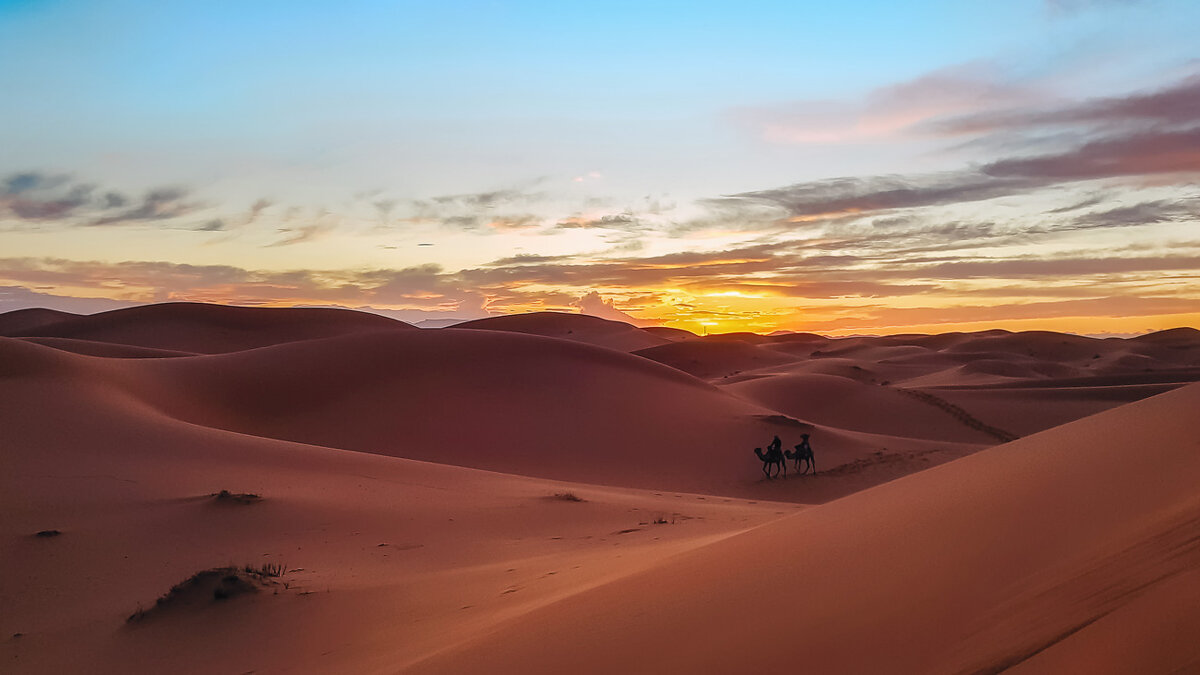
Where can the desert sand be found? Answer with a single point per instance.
(554, 492)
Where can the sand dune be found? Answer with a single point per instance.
(1029, 410)
(21, 320)
(712, 359)
(106, 349)
(388, 557)
(671, 334)
(575, 327)
(569, 411)
(843, 403)
(1072, 549)
(1029, 554)
(208, 329)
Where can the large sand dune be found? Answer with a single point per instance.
(390, 559)
(1074, 549)
(409, 479)
(203, 328)
(575, 327)
(500, 401)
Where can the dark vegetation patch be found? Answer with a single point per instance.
(567, 497)
(213, 585)
(227, 497)
(48, 533)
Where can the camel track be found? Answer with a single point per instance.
(961, 415)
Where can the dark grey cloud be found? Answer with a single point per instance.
(157, 204)
(30, 181)
(48, 198)
(114, 200)
(36, 196)
(1049, 267)
(488, 199)
(1176, 105)
(257, 208)
(300, 234)
(1160, 211)
(840, 197)
(474, 201)
(1152, 153)
(1095, 199)
(1146, 153)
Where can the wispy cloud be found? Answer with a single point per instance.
(301, 234)
(1155, 136)
(36, 196)
(157, 204)
(888, 111)
(58, 198)
(1176, 105)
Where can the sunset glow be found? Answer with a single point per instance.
(917, 174)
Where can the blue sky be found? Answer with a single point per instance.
(306, 136)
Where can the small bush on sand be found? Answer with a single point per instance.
(227, 497)
(266, 570)
(212, 585)
(567, 497)
(48, 533)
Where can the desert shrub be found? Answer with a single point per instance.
(211, 585)
(227, 497)
(568, 497)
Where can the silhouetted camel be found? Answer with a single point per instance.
(772, 457)
(804, 454)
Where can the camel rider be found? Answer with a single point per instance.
(804, 446)
(775, 445)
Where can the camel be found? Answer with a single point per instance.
(804, 454)
(772, 457)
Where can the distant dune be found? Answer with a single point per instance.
(575, 327)
(206, 329)
(31, 320)
(554, 492)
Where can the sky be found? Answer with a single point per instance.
(840, 168)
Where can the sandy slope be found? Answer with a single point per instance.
(576, 327)
(1072, 550)
(1046, 553)
(106, 349)
(207, 329)
(1027, 410)
(712, 359)
(499, 401)
(843, 403)
(392, 559)
(31, 319)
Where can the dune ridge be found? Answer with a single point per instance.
(205, 328)
(550, 492)
(1000, 559)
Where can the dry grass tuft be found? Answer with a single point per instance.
(227, 497)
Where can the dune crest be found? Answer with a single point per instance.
(206, 328)
(1019, 555)
(546, 493)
